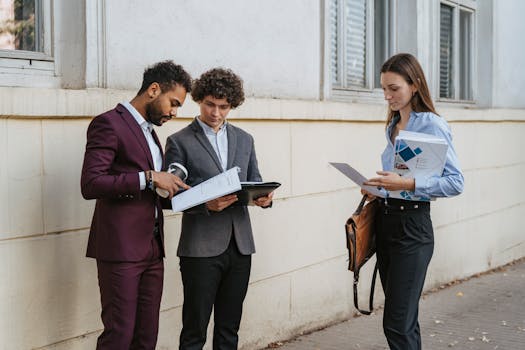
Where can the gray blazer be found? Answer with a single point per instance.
(204, 233)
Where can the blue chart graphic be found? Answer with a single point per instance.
(419, 156)
(405, 152)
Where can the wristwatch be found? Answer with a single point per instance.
(149, 180)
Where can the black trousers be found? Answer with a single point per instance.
(405, 243)
(221, 283)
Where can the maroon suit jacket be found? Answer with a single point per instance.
(124, 217)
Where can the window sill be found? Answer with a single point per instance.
(355, 95)
(24, 55)
(467, 104)
(28, 72)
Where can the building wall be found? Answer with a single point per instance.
(509, 56)
(299, 279)
(50, 299)
(274, 46)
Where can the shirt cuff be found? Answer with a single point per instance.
(142, 180)
(424, 185)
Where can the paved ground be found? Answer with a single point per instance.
(484, 312)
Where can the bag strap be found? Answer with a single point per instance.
(360, 206)
(372, 287)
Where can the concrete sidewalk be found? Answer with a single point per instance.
(484, 312)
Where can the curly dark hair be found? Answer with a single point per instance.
(167, 74)
(219, 83)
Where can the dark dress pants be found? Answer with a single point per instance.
(405, 243)
(130, 294)
(219, 282)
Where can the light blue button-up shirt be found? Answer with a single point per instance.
(219, 141)
(450, 183)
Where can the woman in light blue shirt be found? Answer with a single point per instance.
(405, 238)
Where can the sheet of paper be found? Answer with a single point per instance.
(218, 186)
(358, 178)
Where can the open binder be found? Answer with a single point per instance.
(221, 185)
(253, 190)
(215, 187)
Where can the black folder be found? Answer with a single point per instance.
(253, 190)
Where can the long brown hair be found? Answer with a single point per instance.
(409, 68)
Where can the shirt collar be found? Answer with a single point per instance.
(144, 124)
(208, 129)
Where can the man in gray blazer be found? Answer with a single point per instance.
(216, 241)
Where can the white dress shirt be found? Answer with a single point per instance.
(146, 128)
(218, 140)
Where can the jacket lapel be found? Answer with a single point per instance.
(156, 139)
(203, 140)
(232, 145)
(136, 129)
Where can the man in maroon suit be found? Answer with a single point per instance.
(121, 170)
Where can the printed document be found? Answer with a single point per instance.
(359, 179)
(419, 156)
(215, 187)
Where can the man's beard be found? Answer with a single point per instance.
(153, 115)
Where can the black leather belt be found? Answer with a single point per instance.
(394, 204)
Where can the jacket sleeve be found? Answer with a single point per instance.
(97, 179)
(253, 170)
(174, 154)
(451, 181)
(253, 167)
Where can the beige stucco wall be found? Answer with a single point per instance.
(50, 299)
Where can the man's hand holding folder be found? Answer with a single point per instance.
(264, 202)
(256, 193)
(251, 193)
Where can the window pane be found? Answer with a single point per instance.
(19, 25)
(465, 55)
(355, 40)
(334, 42)
(445, 52)
(381, 37)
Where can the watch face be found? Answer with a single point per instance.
(178, 170)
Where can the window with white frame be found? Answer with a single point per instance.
(360, 42)
(456, 59)
(24, 29)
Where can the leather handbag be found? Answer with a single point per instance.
(361, 244)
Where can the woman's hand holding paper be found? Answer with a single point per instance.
(392, 182)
